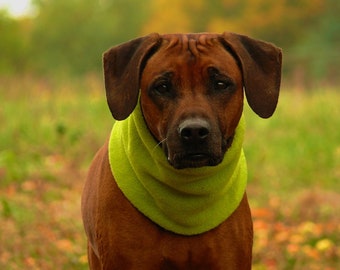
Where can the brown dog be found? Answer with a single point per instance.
(187, 90)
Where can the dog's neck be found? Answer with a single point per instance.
(187, 201)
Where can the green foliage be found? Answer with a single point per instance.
(69, 36)
(302, 139)
(42, 122)
(318, 48)
(13, 50)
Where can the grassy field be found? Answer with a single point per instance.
(51, 129)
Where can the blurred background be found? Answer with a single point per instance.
(54, 117)
(70, 36)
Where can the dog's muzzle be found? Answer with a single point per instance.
(194, 131)
(194, 144)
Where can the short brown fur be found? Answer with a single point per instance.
(119, 236)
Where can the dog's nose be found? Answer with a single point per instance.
(194, 130)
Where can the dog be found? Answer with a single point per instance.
(167, 189)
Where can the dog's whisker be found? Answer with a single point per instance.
(158, 144)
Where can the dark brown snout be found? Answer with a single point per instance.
(194, 141)
(194, 145)
(194, 131)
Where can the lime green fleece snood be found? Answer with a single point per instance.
(186, 201)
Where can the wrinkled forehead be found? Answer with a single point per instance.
(182, 52)
(194, 44)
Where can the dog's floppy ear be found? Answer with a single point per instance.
(122, 68)
(261, 68)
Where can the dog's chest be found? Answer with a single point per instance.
(135, 242)
(169, 257)
(167, 251)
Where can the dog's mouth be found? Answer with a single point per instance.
(182, 154)
(193, 160)
(197, 157)
(210, 155)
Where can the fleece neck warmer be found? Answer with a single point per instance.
(185, 201)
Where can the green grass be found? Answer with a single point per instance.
(49, 133)
(300, 145)
(51, 129)
(294, 181)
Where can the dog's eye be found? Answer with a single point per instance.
(162, 88)
(221, 85)
(218, 81)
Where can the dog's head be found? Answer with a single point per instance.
(191, 89)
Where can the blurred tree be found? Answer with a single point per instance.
(13, 45)
(169, 17)
(71, 35)
(281, 21)
(318, 51)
